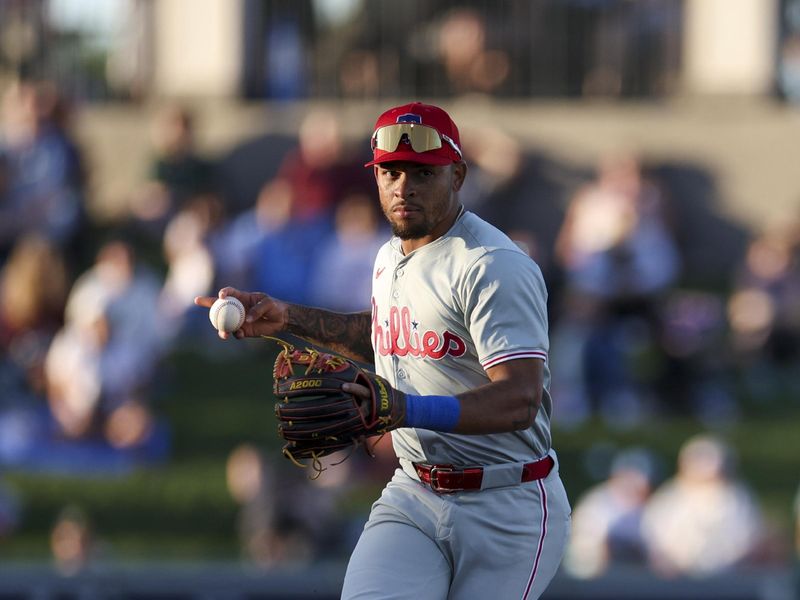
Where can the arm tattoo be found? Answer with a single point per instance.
(348, 333)
(524, 423)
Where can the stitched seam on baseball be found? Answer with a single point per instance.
(217, 308)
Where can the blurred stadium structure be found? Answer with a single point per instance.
(704, 93)
(668, 62)
(279, 49)
(227, 582)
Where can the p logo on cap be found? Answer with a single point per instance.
(410, 118)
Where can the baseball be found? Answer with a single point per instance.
(227, 314)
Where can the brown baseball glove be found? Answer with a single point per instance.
(315, 416)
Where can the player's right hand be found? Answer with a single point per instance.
(265, 315)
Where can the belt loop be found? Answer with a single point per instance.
(501, 475)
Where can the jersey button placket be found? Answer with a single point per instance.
(395, 291)
(400, 373)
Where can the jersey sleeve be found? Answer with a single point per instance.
(505, 302)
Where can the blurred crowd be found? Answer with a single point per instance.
(702, 520)
(639, 329)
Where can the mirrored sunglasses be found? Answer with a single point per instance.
(421, 137)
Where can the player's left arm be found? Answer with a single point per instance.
(508, 403)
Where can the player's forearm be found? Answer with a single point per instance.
(509, 402)
(498, 407)
(346, 333)
(495, 408)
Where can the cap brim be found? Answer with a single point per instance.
(425, 158)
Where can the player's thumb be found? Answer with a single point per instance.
(357, 390)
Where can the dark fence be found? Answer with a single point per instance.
(511, 48)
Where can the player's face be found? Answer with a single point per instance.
(419, 200)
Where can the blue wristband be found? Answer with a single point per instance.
(437, 413)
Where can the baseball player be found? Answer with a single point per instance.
(458, 324)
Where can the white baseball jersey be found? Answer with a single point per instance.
(444, 313)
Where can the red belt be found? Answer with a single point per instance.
(444, 479)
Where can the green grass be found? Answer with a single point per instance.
(182, 510)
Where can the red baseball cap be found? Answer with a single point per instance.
(415, 132)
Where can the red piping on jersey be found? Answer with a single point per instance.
(541, 540)
(505, 357)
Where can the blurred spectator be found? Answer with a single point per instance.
(264, 540)
(284, 518)
(73, 372)
(519, 191)
(71, 541)
(188, 244)
(496, 160)
(92, 409)
(33, 290)
(269, 247)
(764, 312)
(41, 186)
(615, 242)
(281, 259)
(606, 45)
(341, 277)
(177, 174)
(105, 356)
(235, 252)
(619, 258)
(469, 65)
(567, 344)
(619, 48)
(359, 74)
(705, 520)
(606, 520)
(321, 170)
(696, 376)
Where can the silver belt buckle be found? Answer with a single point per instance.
(434, 482)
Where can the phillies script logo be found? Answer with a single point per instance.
(400, 335)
